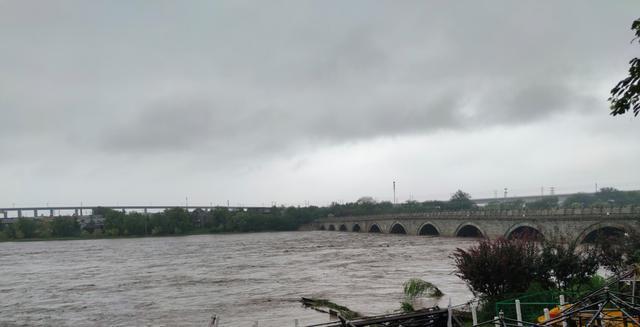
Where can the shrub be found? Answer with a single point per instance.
(498, 267)
(567, 267)
(619, 252)
(414, 288)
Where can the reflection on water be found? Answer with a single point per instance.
(242, 277)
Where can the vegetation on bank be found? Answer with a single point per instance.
(497, 270)
(174, 221)
(178, 221)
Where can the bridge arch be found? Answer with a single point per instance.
(343, 228)
(331, 227)
(397, 228)
(469, 229)
(524, 231)
(591, 233)
(375, 229)
(356, 228)
(429, 228)
(322, 227)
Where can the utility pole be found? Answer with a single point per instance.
(394, 192)
(541, 191)
(596, 187)
(506, 190)
(552, 190)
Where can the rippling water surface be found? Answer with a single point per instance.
(170, 281)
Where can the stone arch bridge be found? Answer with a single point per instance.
(583, 225)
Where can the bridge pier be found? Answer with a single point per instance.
(75, 212)
(6, 214)
(35, 212)
(50, 212)
(19, 213)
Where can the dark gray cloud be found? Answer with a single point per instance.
(168, 76)
(239, 80)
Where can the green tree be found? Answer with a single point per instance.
(618, 253)
(495, 268)
(135, 223)
(625, 96)
(566, 266)
(579, 200)
(65, 227)
(26, 227)
(460, 201)
(544, 203)
(171, 221)
(113, 222)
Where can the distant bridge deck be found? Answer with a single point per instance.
(78, 210)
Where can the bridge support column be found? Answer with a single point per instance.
(19, 213)
(35, 212)
(50, 212)
(6, 214)
(75, 211)
(145, 211)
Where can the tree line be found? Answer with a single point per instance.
(179, 221)
(174, 221)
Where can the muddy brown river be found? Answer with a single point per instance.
(243, 278)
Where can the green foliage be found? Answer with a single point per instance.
(494, 268)
(416, 287)
(618, 253)
(550, 202)
(606, 197)
(406, 306)
(501, 268)
(506, 205)
(65, 227)
(26, 228)
(460, 201)
(565, 266)
(625, 96)
(44, 229)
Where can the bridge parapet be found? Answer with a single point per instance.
(612, 212)
(564, 223)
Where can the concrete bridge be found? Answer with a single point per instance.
(50, 211)
(582, 225)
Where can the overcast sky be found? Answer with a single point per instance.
(149, 102)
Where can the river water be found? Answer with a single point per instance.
(182, 281)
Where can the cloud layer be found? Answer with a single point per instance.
(233, 81)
